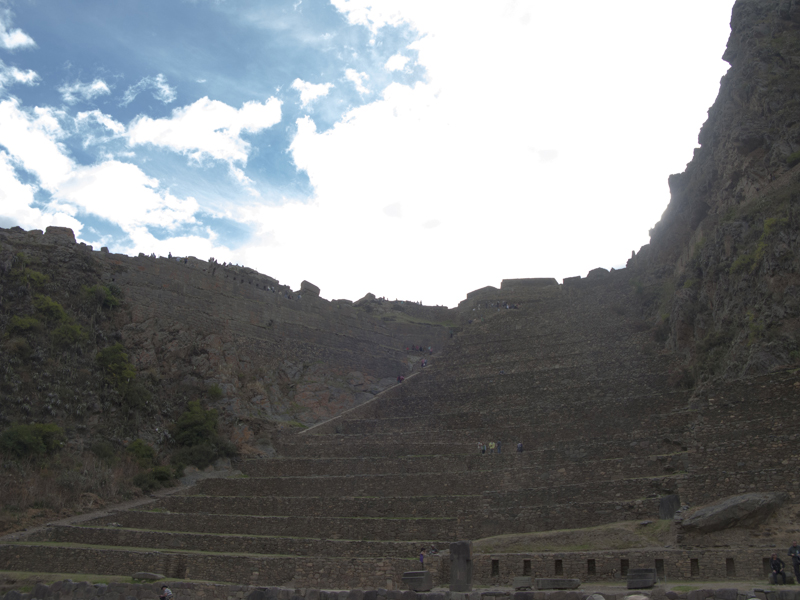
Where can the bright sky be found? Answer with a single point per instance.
(415, 149)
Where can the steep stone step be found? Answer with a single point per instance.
(393, 485)
(534, 436)
(305, 527)
(545, 464)
(248, 544)
(318, 506)
(623, 413)
(255, 569)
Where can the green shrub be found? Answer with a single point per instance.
(67, 335)
(144, 453)
(793, 159)
(49, 308)
(214, 392)
(743, 263)
(136, 396)
(196, 425)
(21, 325)
(196, 432)
(199, 456)
(103, 296)
(118, 370)
(24, 440)
(162, 474)
(35, 278)
(147, 481)
(19, 346)
(104, 451)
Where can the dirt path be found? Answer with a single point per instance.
(103, 512)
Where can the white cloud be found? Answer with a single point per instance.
(310, 91)
(449, 146)
(394, 210)
(159, 86)
(103, 119)
(397, 62)
(121, 193)
(11, 75)
(371, 14)
(207, 129)
(16, 199)
(357, 79)
(112, 190)
(12, 39)
(73, 92)
(97, 127)
(32, 138)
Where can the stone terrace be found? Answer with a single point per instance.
(572, 374)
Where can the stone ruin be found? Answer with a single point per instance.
(350, 502)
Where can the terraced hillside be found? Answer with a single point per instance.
(571, 374)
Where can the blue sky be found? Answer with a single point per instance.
(412, 149)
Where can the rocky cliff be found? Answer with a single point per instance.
(254, 349)
(720, 276)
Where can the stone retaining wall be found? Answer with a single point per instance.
(68, 590)
(254, 569)
(307, 527)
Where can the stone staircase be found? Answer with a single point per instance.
(571, 374)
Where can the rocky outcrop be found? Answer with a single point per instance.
(263, 355)
(746, 510)
(721, 275)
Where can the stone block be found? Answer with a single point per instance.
(147, 576)
(564, 595)
(523, 595)
(370, 595)
(40, 591)
(534, 282)
(418, 581)
(312, 594)
(557, 583)
(522, 583)
(306, 287)
(461, 567)
(12, 595)
(409, 595)
(640, 584)
(355, 594)
(727, 594)
(699, 594)
(668, 506)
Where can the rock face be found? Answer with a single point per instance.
(260, 353)
(720, 278)
(746, 510)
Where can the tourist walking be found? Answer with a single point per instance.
(491, 447)
(794, 552)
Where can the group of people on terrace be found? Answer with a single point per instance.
(492, 446)
(499, 305)
(777, 565)
(420, 348)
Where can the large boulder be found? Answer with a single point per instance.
(746, 510)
